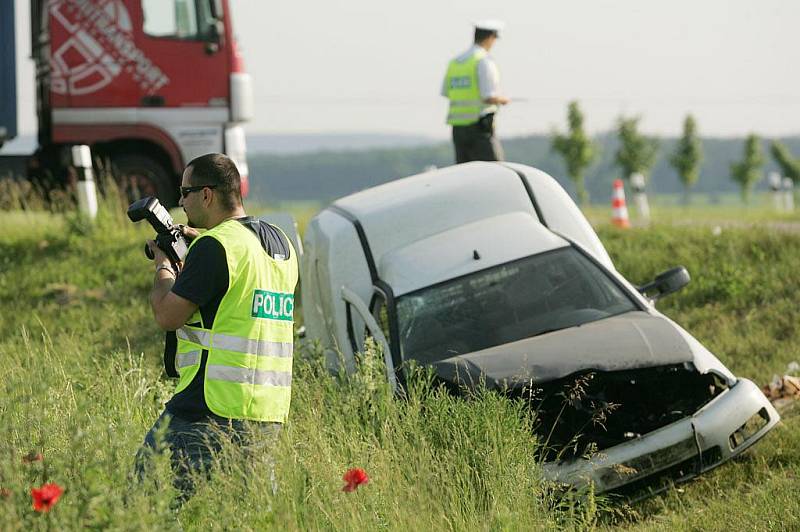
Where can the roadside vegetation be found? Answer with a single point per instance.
(326, 175)
(82, 382)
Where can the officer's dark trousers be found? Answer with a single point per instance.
(476, 142)
(194, 446)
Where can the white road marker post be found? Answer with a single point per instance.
(87, 193)
(640, 197)
(775, 185)
(788, 194)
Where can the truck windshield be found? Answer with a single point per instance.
(179, 19)
(531, 296)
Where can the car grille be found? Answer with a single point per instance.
(593, 410)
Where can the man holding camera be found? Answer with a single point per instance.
(230, 304)
(472, 84)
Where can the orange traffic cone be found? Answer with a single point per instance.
(620, 211)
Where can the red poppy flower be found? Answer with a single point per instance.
(45, 497)
(354, 478)
(32, 457)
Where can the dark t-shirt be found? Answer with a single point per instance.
(204, 282)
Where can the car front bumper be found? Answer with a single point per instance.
(722, 429)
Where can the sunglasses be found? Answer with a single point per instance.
(185, 191)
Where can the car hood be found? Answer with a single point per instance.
(628, 341)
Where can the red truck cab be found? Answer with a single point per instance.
(148, 84)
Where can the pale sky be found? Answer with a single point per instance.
(376, 66)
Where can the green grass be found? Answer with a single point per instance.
(80, 359)
(698, 213)
(742, 305)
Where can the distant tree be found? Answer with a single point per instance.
(577, 149)
(748, 171)
(636, 152)
(687, 156)
(790, 167)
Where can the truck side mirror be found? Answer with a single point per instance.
(214, 38)
(666, 283)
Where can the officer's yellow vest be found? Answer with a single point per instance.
(466, 104)
(248, 373)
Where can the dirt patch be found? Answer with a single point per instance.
(67, 294)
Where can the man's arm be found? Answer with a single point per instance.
(489, 83)
(169, 309)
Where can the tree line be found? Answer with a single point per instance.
(327, 175)
(637, 154)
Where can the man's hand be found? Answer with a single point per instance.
(159, 257)
(189, 233)
(497, 100)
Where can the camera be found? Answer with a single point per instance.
(169, 237)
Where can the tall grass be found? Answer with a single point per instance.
(433, 461)
(82, 383)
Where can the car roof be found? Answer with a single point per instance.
(442, 216)
(466, 249)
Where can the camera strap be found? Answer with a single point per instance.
(170, 350)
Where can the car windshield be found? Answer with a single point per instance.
(531, 296)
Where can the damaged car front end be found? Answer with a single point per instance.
(623, 396)
(648, 462)
(491, 276)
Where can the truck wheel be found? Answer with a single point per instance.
(139, 176)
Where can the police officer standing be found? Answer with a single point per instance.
(231, 306)
(472, 84)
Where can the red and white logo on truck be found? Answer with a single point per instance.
(99, 46)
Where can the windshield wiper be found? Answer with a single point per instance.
(554, 329)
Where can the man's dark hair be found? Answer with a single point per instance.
(481, 35)
(218, 169)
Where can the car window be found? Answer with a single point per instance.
(546, 292)
(381, 314)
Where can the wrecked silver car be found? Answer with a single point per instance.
(490, 274)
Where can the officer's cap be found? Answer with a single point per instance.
(495, 26)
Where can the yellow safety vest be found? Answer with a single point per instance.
(466, 104)
(248, 374)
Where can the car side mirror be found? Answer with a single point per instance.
(666, 283)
